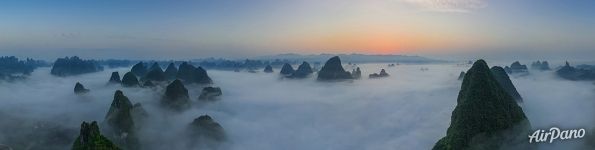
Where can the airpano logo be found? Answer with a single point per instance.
(555, 134)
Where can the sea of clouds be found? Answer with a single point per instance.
(411, 109)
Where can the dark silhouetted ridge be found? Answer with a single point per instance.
(486, 116)
(333, 70)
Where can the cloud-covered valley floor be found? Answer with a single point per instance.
(411, 109)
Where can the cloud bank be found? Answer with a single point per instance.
(411, 109)
(458, 6)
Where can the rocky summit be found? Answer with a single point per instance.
(155, 66)
(171, 71)
(304, 70)
(80, 89)
(185, 72)
(486, 116)
(379, 75)
(333, 70)
(190, 74)
(115, 78)
(129, 80)
(539, 65)
(121, 123)
(91, 139)
(139, 69)
(356, 73)
(210, 93)
(206, 130)
(572, 73)
(287, 69)
(517, 68)
(176, 96)
(268, 69)
(201, 76)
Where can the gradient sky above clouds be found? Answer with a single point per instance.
(237, 28)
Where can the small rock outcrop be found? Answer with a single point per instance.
(139, 69)
(379, 75)
(74, 66)
(486, 116)
(130, 80)
(287, 69)
(304, 70)
(120, 122)
(171, 71)
(567, 72)
(91, 139)
(268, 69)
(80, 89)
(333, 70)
(210, 93)
(115, 78)
(176, 96)
(538, 65)
(205, 130)
(356, 73)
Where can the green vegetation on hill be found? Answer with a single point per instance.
(486, 116)
(91, 139)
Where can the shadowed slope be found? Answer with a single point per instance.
(486, 116)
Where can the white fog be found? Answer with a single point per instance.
(409, 110)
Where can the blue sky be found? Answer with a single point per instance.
(226, 28)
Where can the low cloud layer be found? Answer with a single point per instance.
(409, 110)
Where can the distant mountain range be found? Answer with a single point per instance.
(353, 58)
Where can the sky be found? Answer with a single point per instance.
(239, 28)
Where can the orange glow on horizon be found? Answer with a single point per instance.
(374, 42)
